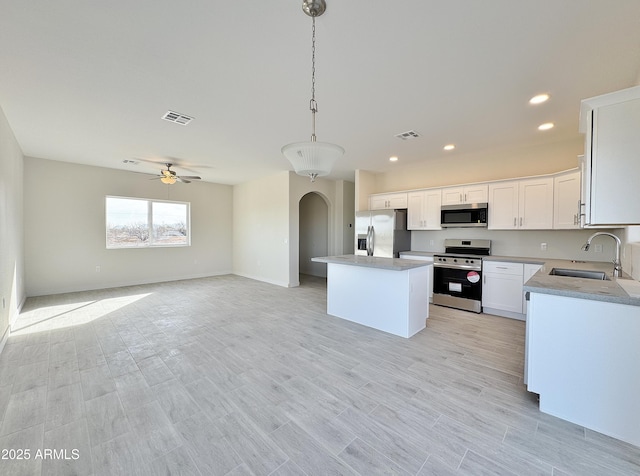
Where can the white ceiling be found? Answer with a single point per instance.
(87, 81)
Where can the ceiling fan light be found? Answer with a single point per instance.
(312, 159)
(169, 180)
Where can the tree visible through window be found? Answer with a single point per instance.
(135, 223)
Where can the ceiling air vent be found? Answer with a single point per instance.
(130, 162)
(177, 118)
(408, 135)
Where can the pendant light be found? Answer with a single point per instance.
(313, 159)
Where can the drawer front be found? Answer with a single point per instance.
(501, 267)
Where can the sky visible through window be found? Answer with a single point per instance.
(124, 211)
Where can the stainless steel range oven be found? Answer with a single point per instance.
(457, 274)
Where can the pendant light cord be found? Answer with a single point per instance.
(313, 105)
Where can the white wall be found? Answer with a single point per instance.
(366, 185)
(261, 229)
(346, 191)
(314, 234)
(12, 290)
(334, 194)
(480, 166)
(266, 215)
(64, 219)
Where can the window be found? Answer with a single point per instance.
(137, 223)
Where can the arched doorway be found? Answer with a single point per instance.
(313, 234)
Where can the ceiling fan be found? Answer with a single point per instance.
(169, 176)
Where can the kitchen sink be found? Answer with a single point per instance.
(579, 273)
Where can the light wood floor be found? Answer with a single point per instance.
(227, 375)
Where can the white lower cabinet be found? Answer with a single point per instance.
(502, 293)
(502, 288)
(409, 255)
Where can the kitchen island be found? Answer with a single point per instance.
(388, 294)
(583, 349)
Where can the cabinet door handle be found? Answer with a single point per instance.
(514, 221)
(580, 214)
(520, 221)
(465, 198)
(461, 198)
(484, 279)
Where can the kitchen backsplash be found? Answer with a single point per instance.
(560, 244)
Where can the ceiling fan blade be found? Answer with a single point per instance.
(182, 179)
(190, 177)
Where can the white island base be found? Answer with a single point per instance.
(392, 298)
(583, 362)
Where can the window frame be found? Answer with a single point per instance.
(151, 240)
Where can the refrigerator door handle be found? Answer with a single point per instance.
(368, 239)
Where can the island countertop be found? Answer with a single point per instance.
(394, 264)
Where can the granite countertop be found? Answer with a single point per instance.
(394, 264)
(620, 290)
(515, 259)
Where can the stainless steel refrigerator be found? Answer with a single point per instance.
(382, 233)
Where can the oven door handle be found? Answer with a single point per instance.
(470, 267)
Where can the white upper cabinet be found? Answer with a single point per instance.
(612, 158)
(536, 204)
(503, 205)
(423, 210)
(521, 204)
(385, 201)
(478, 193)
(566, 200)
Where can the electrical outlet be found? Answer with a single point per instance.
(597, 248)
(543, 247)
(431, 243)
(97, 269)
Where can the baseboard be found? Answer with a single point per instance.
(269, 281)
(12, 321)
(5, 338)
(501, 313)
(123, 284)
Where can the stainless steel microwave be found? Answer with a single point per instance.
(464, 216)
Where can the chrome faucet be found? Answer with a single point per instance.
(617, 265)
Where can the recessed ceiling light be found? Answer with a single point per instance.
(449, 147)
(539, 99)
(546, 126)
(393, 159)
